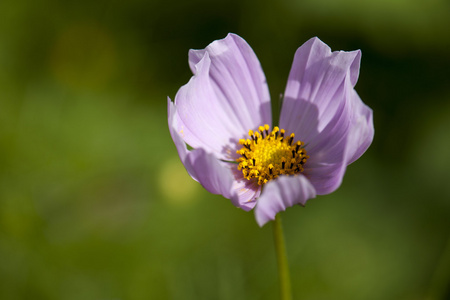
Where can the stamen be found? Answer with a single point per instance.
(276, 130)
(291, 138)
(292, 163)
(261, 129)
(264, 156)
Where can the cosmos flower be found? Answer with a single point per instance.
(224, 114)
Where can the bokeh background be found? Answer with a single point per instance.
(94, 203)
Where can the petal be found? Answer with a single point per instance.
(345, 138)
(321, 107)
(227, 96)
(326, 169)
(214, 175)
(281, 193)
(179, 143)
(316, 76)
(246, 191)
(210, 172)
(363, 134)
(201, 166)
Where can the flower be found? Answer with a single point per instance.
(224, 114)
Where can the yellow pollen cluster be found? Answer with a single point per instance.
(269, 154)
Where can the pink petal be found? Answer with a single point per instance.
(246, 191)
(363, 135)
(280, 194)
(227, 96)
(215, 176)
(321, 107)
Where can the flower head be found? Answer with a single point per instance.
(224, 114)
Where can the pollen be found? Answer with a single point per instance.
(269, 154)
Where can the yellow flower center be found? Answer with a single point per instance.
(267, 155)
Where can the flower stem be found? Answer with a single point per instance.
(283, 267)
(439, 280)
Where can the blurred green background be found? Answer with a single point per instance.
(94, 203)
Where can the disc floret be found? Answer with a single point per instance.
(269, 154)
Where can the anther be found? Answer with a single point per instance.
(257, 135)
(292, 163)
(291, 139)
(298, 146)
(261, 129)
(276, 131)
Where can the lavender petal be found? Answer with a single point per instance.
(280, 194)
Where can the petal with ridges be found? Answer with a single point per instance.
(179, 142)
(321, 107)
(214, 175)
(246, 191)
(315, 81)
(280, 194)
(363, 120)
(201, 166)
(211, 173)
(227, 96)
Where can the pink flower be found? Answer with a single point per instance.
(224, 114)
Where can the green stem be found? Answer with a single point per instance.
(283, 266)
(441, 276)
